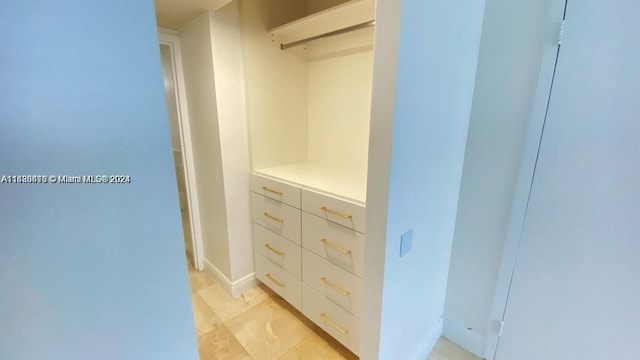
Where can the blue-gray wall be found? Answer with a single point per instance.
(88, 271)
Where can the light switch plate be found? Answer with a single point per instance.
(406, 241)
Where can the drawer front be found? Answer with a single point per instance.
(336, 284)
(288, 194)
(280, 218)
(279, 280)
(279, 250)
(331, 318)
(341, 212)
(341, 246)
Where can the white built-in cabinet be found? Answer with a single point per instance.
(309, 115)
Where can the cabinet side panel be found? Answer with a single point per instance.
(437, 58)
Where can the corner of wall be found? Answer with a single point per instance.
(469, 340)
(234, 288)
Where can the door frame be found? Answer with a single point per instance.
(520, 202)
(170, 38)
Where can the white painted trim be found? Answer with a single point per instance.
(467, 339)
(243, 284)
(173, 41)
(235, 288)
(218, 275)
(525, 177)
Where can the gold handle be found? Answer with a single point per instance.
(274, 280)
(273, 217)
(268, 246)
(271, 190)
(332, 245)
(332, 285)
(343, 215)
(325, 318)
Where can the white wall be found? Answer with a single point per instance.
(88, 271)
(510, 53)
(195, 42)
(417, 153)
(228, 68)
(277, 98)
(340, 111)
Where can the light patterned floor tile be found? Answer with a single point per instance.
(220, 344)
(269, 329)
(225, 307)
(199, 279)
(205, 319)
(315, 347)
(446, 350)
(261, 326)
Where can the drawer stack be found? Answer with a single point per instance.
(332, 265)
(319, 269)
(276, 235)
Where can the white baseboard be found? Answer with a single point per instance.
(467, 339)
(235, 288)
(243, 284)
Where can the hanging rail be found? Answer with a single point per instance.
(332, 33)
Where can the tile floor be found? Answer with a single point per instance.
(261, 326)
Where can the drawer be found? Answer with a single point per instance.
(336, 284)
(341, 246)
(279, 280)
(331, 318)
(279, 250)
(280, 218)
(339, 211)
(288, 194)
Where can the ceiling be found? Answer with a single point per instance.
(172, 14)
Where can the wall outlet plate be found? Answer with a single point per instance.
(406, 242)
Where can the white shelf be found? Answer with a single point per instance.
(348, 14)
(345, 185)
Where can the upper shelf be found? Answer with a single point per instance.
(348, 14)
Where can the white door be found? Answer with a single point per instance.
(576, 286)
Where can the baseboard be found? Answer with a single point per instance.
(235, 288)
(467, 339)
(243, 284)
(429, 342)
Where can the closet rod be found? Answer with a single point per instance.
(332, 33)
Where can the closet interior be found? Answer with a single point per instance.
(308, 86)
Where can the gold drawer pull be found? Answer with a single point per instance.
(271, 190)
(273, 217)
(274, 280)
(332, 245)
(325, 318)
(268, 246)
(342, 215)
(332, 285)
